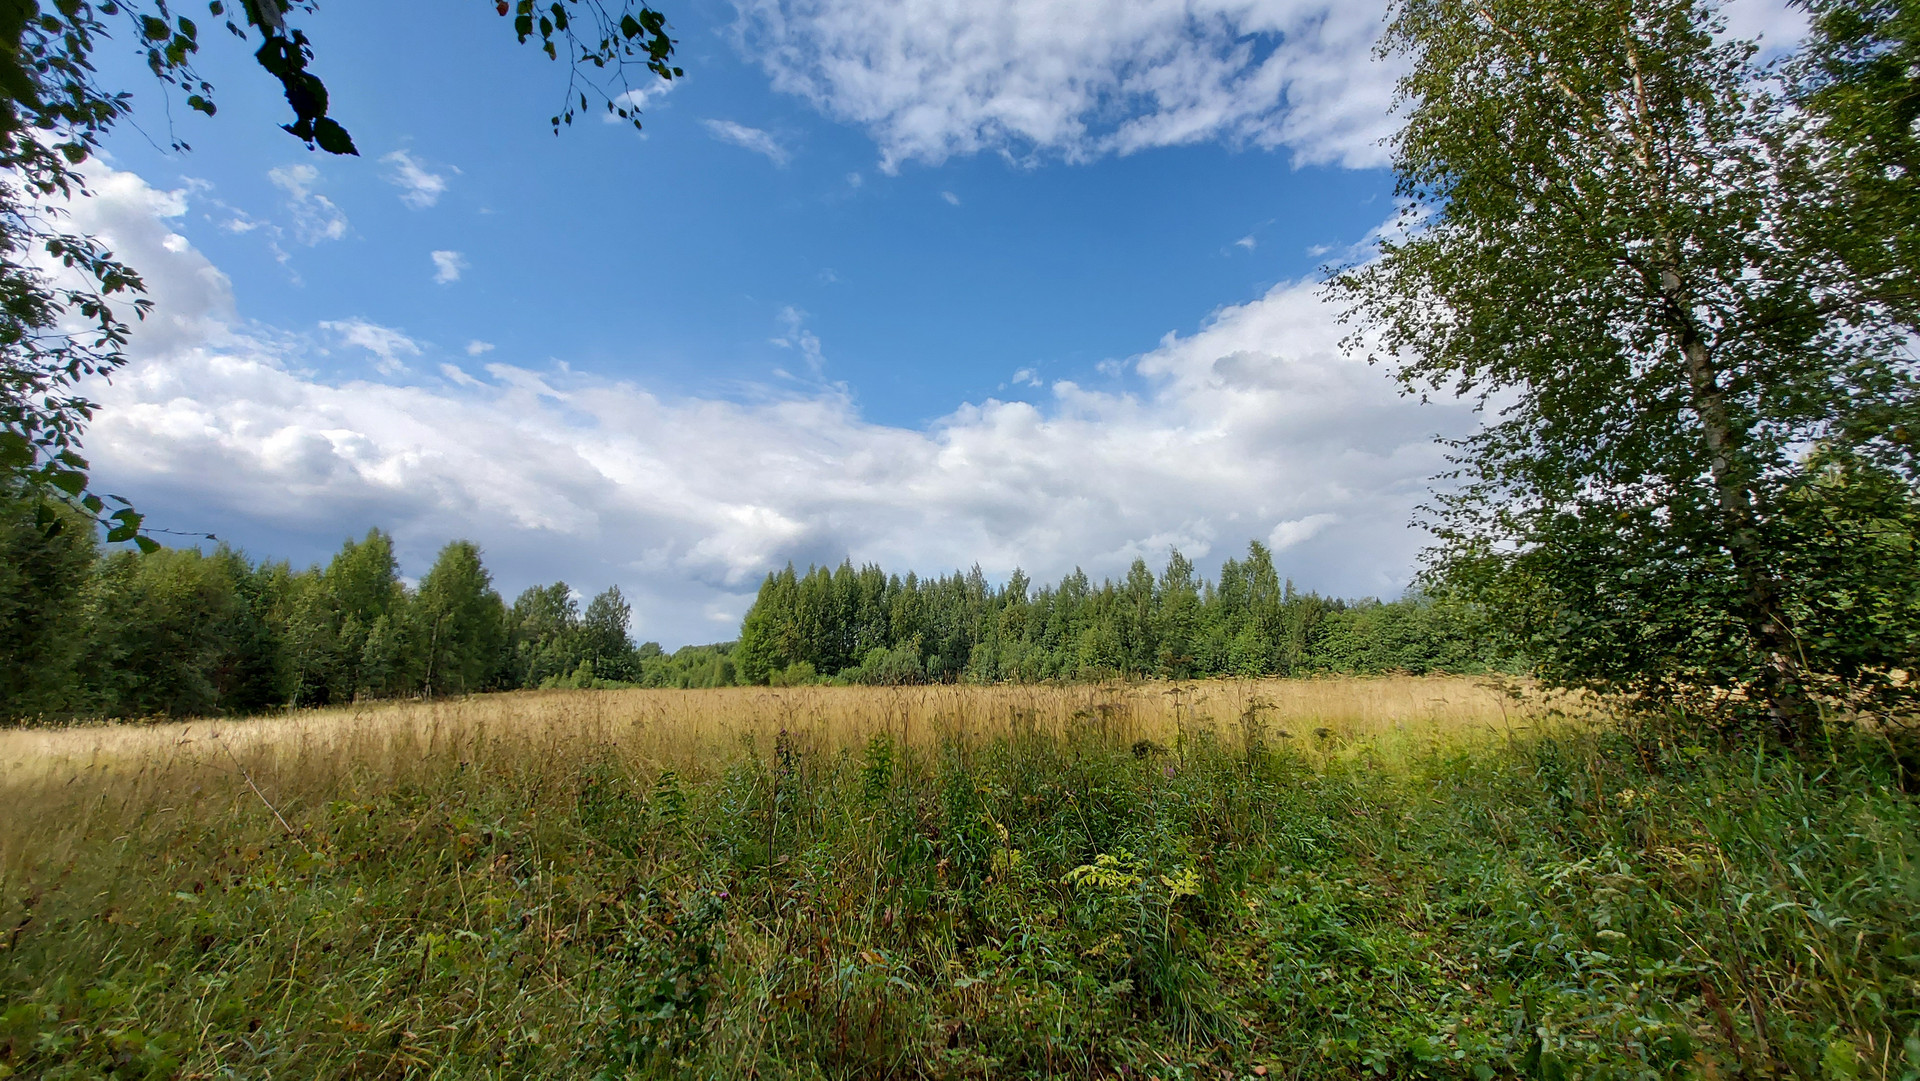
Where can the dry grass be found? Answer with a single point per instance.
(686, 726)
(66, 784)
(1329, 878)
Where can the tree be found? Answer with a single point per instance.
(603, 636)
(1606, 240)
(460, 622)
(544, 629)
(55, 335)
(362, 584)
(46, 559)
(164, 642)
(1859, 80)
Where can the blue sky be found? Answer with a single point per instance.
(1017, 282)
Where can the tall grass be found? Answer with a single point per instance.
(1395, 877)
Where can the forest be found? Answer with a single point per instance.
(866, 626)
(87, 631)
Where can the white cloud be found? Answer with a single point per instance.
(477, 347)
(457, 374)
(315, 218)
(385, 343)
(1246, 242)
(951, 198)
(419, 187)
(748, 138)
(795, 335)
(637, 99)
(854, 180)
(1296, 531)
(447, 266)
(1026, 377)
(1078, 79)
(1253, 426)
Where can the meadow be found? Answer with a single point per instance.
(1394, 877)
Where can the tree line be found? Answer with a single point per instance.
(179, 632)
(864, 625)
(93, 631)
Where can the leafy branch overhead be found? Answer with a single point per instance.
(608, 42)
(54, 114)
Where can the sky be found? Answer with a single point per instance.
(1021, 283)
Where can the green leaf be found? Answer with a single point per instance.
(69, 481)
(15, 450)
(332, 137)
(146, 544)
(156, 29)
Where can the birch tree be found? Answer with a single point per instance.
(1678, 493)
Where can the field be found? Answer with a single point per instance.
(1398, 877)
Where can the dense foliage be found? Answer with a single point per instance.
(179, 632)
(1082, 904)
(1698, 485)
(867, 626)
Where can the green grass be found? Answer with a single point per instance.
(1574, 905)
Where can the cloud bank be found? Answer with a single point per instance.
(1253, 427)
(1076, 80)
(1079, 79)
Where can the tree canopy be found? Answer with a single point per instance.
(1615, 236)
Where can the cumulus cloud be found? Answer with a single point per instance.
(447, 266)
(315, 217)
(385, 343)
(1296, 531)
(747, 138)
(1252, 426)
(477, 347)
(419, 186)
(1078, 79)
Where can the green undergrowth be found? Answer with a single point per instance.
(1572, 906)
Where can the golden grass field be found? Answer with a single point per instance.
(1327, 878)
(59, 782)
